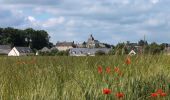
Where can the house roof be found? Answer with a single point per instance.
(87, 50)
(132, 52)
(24, 50)
(5, 49)
(64, 44)
(45, 49)
(53, 48)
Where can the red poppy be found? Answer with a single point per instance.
(119, 95)
(154, 94)
(108, 69)
(106, 91)
(163, 94)
(128, 61)
(116, 69)
(159, 91)
(99, 69)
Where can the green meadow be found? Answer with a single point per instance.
(77, 78)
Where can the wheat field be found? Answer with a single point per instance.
(77, 78)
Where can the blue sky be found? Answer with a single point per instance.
(110, 21)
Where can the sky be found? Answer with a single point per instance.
(110, 21)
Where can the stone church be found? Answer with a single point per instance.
(92, 43)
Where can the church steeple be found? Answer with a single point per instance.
(91, 37)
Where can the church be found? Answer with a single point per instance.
(92, 43)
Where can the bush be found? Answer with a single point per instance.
(100, 53)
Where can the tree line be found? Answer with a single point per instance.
(144, 46)
(36, 39)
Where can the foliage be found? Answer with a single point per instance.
(153, 48)
(99, 53)
(142, 43)
(16, 37)
(121, 49)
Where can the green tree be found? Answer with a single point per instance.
(16, 37)
(154, 48)
(120, 49)
(99, 52)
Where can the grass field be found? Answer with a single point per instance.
(77, 78)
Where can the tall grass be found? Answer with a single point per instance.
(76, 78)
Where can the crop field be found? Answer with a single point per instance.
(144, 77)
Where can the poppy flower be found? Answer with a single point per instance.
(108, 69)
(128, 61)
(163, 94)
(119, 95)
(159, 91)
(116, 69)
(99, 69)
(154, 94)
(106, 91)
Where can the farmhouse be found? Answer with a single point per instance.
(5, 49)
(63, 46)
(87, 51)
(20, 51)
(132, 52)
(134, 48)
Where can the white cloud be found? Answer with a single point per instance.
(154, 1)
(53, 22)
(31, 19)
(103, 18)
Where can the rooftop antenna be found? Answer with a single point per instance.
(144, 38)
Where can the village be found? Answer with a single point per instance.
(89, 48)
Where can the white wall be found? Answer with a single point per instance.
(64, 48)
(14, 52)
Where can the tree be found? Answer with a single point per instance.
(16, 37)
(120, 49)
(142, 43)
(154, 48)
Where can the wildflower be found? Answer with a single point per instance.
(108, 69)
(106, 91)
(119, 95)
(163, 94)
(128, 61)
(116, 69)
(154, 94)
(99, 69)
(159, 91)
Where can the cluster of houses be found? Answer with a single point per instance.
(88, 48)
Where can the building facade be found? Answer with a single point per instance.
(63, 46)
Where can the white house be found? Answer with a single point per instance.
(132, 52)
(20, 51)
